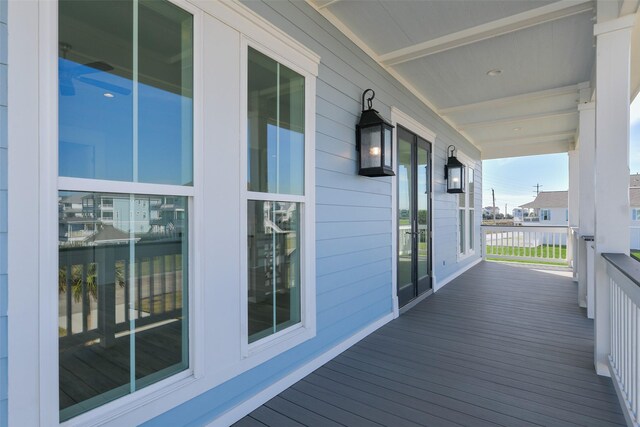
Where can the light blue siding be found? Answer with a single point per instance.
(3, 214)
(353, 213)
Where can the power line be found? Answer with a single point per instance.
(537, 187)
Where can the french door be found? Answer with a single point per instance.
(414, 216)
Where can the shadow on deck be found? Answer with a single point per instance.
(501, 345)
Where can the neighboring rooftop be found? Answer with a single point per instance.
(634, 197)
(549, 199)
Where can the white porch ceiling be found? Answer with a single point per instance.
(443, 49)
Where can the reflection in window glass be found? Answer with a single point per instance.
(125, 116)
(275, 127)
(122, 295)
(274, 267)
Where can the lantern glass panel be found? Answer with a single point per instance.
(455, 178)
(387, 147)
(370, 147)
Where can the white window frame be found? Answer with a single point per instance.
(469, 164)
(635, 212)
(544, 217)
(294, 335)
(33, 375)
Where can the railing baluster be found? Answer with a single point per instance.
(152, 285)
(175, 282)
(163, 281)
(139, 275)
(69, 300)
(636, 398)
(126, 271)
(86, 307)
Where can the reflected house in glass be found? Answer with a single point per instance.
(215, 242)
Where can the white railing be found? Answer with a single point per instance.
(405, 238)
(530, 244)
(624, 359)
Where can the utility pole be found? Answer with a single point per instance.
(537, 186)
(505, 211)
(493, 195)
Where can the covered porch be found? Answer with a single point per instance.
(503, 344)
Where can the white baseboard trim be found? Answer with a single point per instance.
(439, 285)
(624, 403)
(237, 412)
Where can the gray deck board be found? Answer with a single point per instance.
(500, 345)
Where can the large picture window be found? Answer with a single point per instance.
(125, 125)
(276, 195)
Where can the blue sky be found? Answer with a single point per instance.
(514, 179)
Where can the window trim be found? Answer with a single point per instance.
(294, 335)
(194, 194)
(32, 182)
(548, 216)
(468, 251)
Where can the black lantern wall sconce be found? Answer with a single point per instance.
(454, 172)
(374, 141)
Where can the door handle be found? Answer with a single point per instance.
(415, 233)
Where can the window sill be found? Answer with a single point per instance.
(128, 405)
(276, 344)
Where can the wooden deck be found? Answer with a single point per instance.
(501, 345)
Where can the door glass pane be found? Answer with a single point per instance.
(125, 109)
(122, 292)
(423, 212)
(275, 127)
(274, 267)
(405, 210)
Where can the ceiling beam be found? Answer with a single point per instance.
(344, 29)
(551, 12)
(518, 119)
(628, 7)
(325, 4)
(523, 98)
(527, 150)
(528, 140)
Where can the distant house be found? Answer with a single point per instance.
(551, 208)
(548, 208)
(488, 211)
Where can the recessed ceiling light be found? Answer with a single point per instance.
(517, 129)
(494, 72)
(108, 95)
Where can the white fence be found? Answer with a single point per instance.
(624, 360)
(405, 238)
(531, 243)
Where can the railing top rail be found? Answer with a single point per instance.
(625, 265)
(528, 227)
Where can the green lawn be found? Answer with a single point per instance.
(636, 255)
(554, 254)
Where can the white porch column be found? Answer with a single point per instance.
(574, 204)
(586, 202)
(613, 59)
